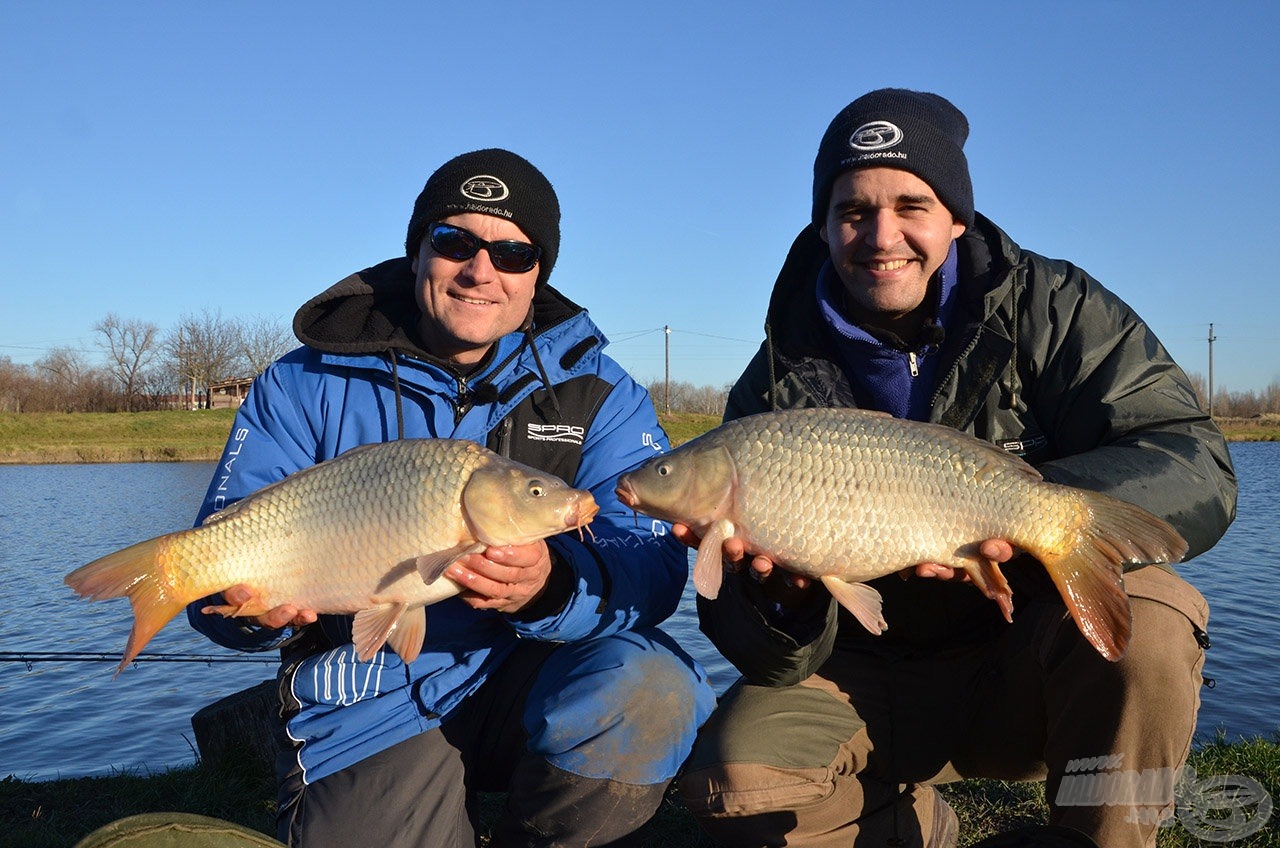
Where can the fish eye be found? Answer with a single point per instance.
(536, 488)
(663, 469)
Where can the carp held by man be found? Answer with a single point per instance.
(368, 533)
(846, 495)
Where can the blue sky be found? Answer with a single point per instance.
(163, 158)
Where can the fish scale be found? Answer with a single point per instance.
(368, 533)
(844, 496)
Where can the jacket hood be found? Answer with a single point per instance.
(374, 311)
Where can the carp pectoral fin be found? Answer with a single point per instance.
(372, 626)
(431, 566)
(990, 580)
(861, 600)
(708, 568)
(406, 637)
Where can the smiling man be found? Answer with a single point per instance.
(899, 297)
(547, 677)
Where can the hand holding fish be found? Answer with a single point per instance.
(284, 615)
(506, 578)
(996, 550)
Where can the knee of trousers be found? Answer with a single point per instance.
(771, 749)
(1162, 663)
(624, 707)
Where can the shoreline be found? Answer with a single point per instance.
(39, 438)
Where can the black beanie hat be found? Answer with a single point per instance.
(492, 182)
(913, 131)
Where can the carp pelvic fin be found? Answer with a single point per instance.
(372, 627)
(861, 600)
(406, 637)
(708, 568)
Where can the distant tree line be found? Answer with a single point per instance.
(145, 367)
(672, 396)
(149, 368)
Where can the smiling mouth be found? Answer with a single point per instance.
(471, 300)
(891, 265)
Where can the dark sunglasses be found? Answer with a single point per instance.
(513, 257)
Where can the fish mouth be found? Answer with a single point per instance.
(582, 512)
(626, 494)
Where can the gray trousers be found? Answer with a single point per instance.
(847, 757)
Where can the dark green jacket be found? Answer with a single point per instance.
(1040, 359)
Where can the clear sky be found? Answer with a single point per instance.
(163, 158)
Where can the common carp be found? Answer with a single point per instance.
(845, 496)
(369, 532)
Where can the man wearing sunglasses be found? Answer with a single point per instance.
(547, 678)
(899, 297)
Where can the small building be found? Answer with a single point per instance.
(229, 394)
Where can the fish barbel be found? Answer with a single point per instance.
(368, 533)
(845, 496)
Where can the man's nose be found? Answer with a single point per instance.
(883, 230)
(479, 268)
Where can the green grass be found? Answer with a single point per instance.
(176, 435)
(165, 436)
(57, 813)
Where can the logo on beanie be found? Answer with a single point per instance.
(876, 135)
(485, 188)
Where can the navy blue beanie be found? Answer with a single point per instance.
(913, 131)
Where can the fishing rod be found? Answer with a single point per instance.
(29, 658)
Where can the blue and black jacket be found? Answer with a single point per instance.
(546, 396)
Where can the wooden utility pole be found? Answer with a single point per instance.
(666, 390)
(1212, 338)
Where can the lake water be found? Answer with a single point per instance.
(72, 718)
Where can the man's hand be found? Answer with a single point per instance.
(506, 579)
(790, 585)
(242, 597)
(996, 550)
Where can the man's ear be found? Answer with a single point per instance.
(822, 233)
(957, 229)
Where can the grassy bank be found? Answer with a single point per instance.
(166, 436)
(55, 814)
(175, 436)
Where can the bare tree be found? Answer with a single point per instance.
(71, 384)
(203, 349)
(263, 341)
(131, 346)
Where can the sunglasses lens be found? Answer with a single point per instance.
(514, 257)
(453, 242)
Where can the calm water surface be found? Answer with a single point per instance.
(63, 719)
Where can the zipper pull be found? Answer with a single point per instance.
(913, 363)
